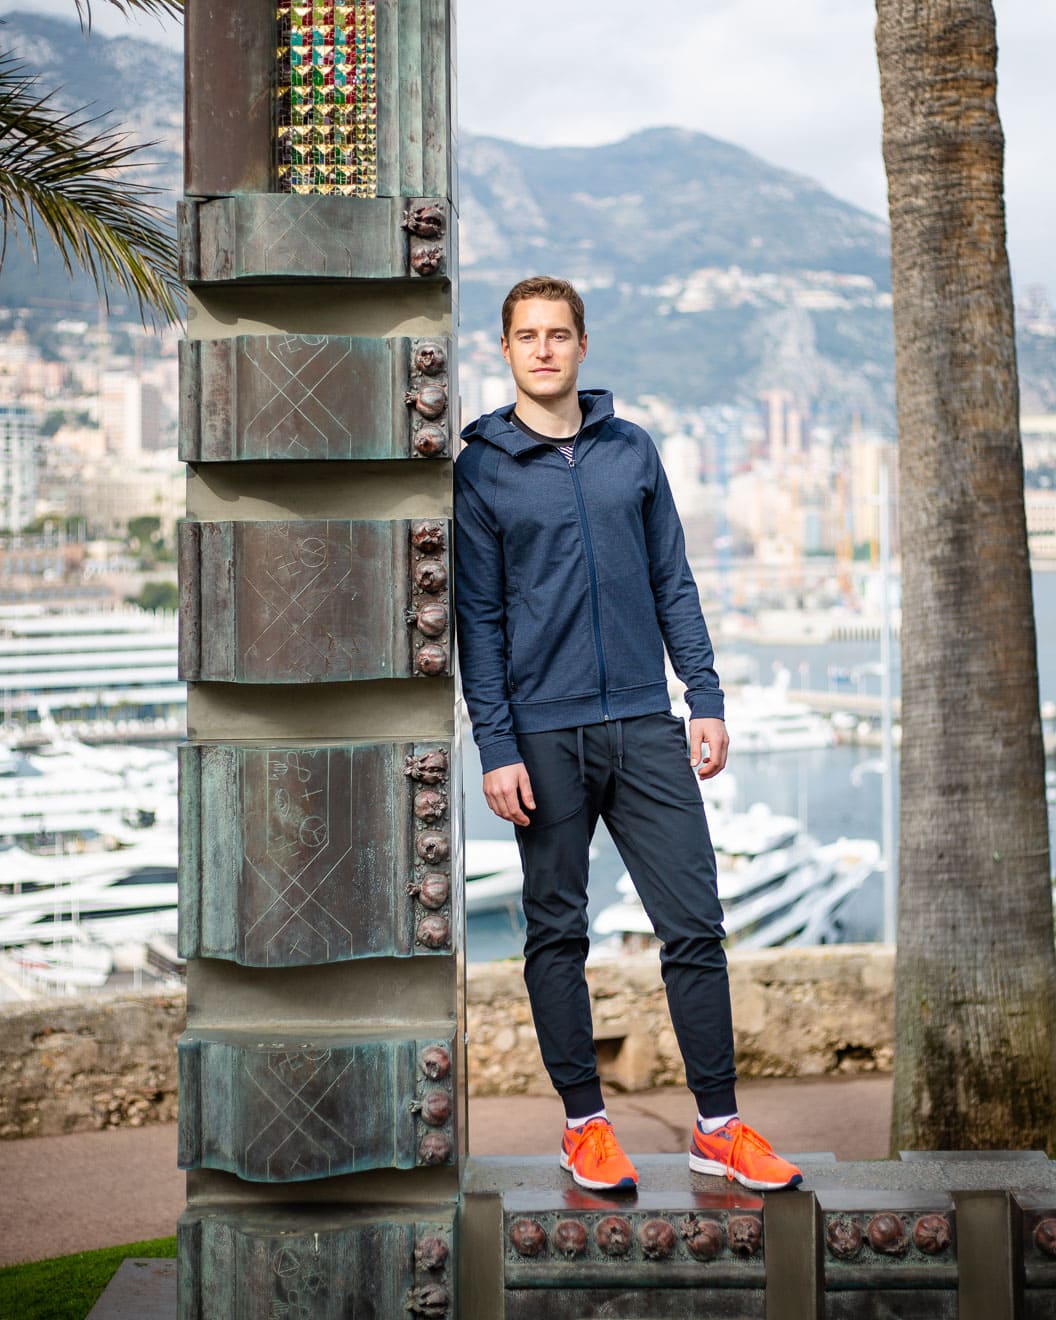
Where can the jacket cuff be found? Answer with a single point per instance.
(707, 706)
(497, 754)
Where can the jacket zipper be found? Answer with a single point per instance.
(595, 608)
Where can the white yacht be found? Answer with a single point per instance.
(107, 673)
(766, 718)
(777, 885)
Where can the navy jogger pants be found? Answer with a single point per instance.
(635, 775)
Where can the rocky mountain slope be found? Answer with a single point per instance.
(710, 275)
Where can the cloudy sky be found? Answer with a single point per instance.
(792, 80)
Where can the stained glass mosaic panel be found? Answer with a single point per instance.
(326, 100)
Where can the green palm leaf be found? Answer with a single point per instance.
(59, 176)
(161, 8)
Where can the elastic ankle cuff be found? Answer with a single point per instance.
(723, 1100)
(585, 1098)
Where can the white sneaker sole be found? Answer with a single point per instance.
(590, 1184)
(716, 1167)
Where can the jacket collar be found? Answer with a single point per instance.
(497, 428)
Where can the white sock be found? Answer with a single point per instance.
(578, 1122)
(713, 1124)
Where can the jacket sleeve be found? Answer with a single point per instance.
(481, 614)
(677, 600)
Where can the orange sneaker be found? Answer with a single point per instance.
(739, 1152)
(594, 1158)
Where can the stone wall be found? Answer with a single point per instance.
(74, 1065)
(796, 1013)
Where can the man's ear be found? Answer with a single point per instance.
(583, 347)
(504, 344)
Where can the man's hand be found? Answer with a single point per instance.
(713, 734)
(509, 791)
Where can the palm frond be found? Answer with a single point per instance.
(58, 175)
(159, 8)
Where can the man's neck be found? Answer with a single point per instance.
(556, 418)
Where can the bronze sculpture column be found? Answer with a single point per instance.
(321, 1079)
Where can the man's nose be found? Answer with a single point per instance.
(543, 348)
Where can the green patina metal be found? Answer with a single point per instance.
(298, 856)
(269, 237)
(286, 1108)
(313, 601)
(313, 397)
(323, 1263)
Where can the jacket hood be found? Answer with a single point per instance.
(497, 428)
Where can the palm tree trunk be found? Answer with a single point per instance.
(975, 1065)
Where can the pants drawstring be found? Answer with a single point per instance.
(619, 744)
(582, 758)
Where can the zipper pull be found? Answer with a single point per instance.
(571, 462)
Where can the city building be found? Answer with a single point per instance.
(19, 436)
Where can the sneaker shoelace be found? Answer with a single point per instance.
(743, 1135)
(601, 1139)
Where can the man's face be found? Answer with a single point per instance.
(543, 349)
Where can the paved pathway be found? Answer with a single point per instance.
(100, 1189)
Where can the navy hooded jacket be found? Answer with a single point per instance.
(570, 579)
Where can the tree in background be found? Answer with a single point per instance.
(976, 969)
(60, 178)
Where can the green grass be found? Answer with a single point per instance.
(67, 1287)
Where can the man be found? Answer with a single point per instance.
(570, 580)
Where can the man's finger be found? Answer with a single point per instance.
(526, 791)
(696, 742)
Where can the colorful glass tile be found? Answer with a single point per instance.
(326, 105)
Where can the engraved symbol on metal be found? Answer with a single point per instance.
(297, 592)
(295, 376)
(299, 1139)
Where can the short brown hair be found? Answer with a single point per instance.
(544, 286)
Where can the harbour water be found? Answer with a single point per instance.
(835, 791)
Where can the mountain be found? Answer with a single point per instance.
(126, 85)
(709, 274)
